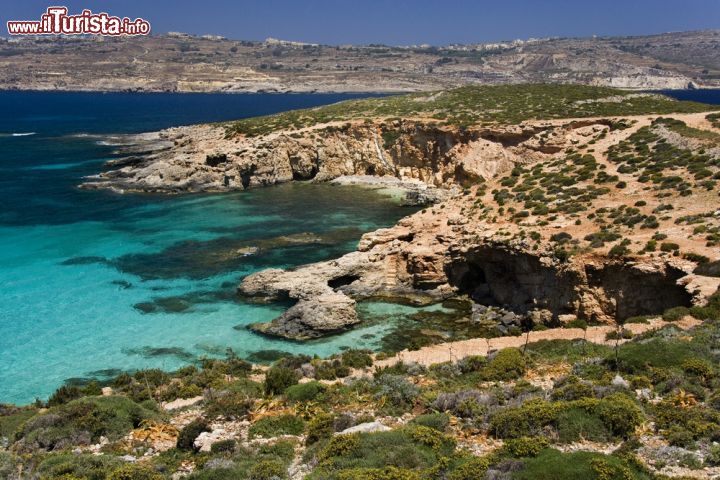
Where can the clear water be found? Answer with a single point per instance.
(92, 283)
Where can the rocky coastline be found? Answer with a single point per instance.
(465, 243)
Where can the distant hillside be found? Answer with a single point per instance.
(177, 62)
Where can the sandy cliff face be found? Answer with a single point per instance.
(202, 158)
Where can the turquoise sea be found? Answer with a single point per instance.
(93, 283)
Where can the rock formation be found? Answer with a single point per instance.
(548, 261)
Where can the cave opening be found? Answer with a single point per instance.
(341, 281)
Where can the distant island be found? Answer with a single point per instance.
(177, 62)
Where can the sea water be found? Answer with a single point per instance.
(94, 283)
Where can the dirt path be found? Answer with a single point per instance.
(454, 351)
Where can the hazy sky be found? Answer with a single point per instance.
(396, 22)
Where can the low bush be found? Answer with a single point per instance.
(553, 465)
(575, 424)
(396, 390)
(188, 434)
(437, 421)
(232, 405)
(223, 446)
(617, 413)
(82, 421)
(278, 379)
(507, 364)
(366, 455)
(471, 468)
(269, 427)
(676, 313)
(70, 466)
(357, 358)
(268, 470)
(524, 447)
(304, 392)
(321, 426)
(133, 471)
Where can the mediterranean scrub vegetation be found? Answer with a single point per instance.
(559, 409)
(470, 105)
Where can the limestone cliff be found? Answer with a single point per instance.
(601, 219)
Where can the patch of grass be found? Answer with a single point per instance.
(570, 351)
(554, 465)
(269, 427)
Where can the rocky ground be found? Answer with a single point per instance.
(183, 63)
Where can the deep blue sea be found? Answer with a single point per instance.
(93, 283)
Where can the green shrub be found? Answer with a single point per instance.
(676, 313)
(396, 390)
(508, 364)
(81, 421)
(472, 363)
(619, 413)
(669, 247)
(332, 369)
(304, 392)
(269, 427)
(575, 424)
(64, 394)
(713, 457)
(387, 473)
(437, 421)
(553, 465)
(471, 469)
(8, 464)
(414, 448)
(268, 470)
(278, 379)
(699, 368)
(356, 358)
(320, 427)
(678, 436)
(247, 387)
(132, 471)
(571, 388)
(524, 421)
(233, 405)
(524, 447)
(188, 434)
(430, 437)
(70, 466)
(284, 449)
(636, 357)
(223, 446)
